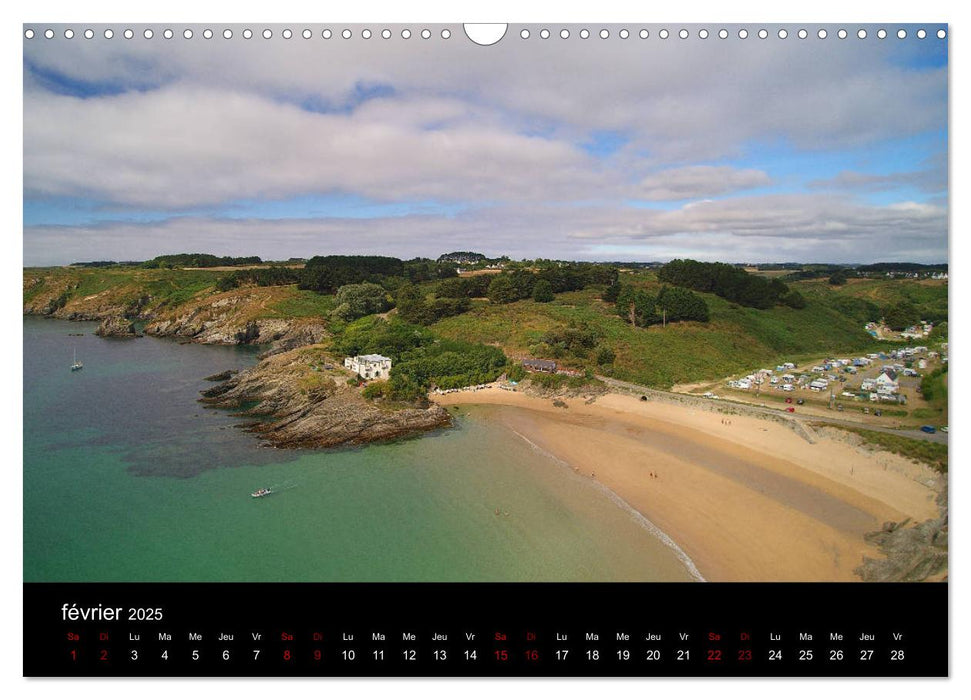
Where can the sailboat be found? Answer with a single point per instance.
(77, 365)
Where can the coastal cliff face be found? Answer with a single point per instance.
(117, 327)
(239, 316)
(304, 400)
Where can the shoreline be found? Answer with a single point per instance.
(743, 498)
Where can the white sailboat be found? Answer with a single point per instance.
(77, 365)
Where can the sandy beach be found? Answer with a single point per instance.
(746, 499)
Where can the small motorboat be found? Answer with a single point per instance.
(259, 493)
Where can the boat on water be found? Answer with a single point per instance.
(77, 365)
(259, 493)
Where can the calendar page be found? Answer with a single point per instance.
(485, 350)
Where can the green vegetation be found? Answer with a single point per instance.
(543, 292)
(678, 336)
(933, 387)
(199, 260)
(420, 360)
(868, 299)
(734, 339)
(461, 257)
(901, 315)
(415, 307)
(727, 281)
(933, 454)
(376, 390)
(297, 303)
(577, 339)
(448, 364)
(469, 287)
(259, 276)
(671, 304)
(329, 272)
(357, 300)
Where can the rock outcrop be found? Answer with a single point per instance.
(913, 552)
(299, 404)
(117, 327)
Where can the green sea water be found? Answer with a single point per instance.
(128, 478)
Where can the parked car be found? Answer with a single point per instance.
(928, 429)
(788, 399)
(801, 401)
(791, 409)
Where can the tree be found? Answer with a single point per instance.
(606, 356)
(677, 304)
(357, 300)
(502, 290)
(414, 307)
(637, 306)
(611, 292)
(901, 315)
(794, 300)
(838, 278)
(543, 291)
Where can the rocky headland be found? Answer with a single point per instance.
(298, 398)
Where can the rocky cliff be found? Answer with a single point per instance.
(117, 327)
(303, 400)
(239, 316)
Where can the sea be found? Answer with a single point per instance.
(127, 477)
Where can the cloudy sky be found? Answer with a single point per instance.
(829, 150)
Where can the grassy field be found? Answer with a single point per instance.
(117, 286)
(930, 296)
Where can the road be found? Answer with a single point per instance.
(938, 437)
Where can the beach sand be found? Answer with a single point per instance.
(746, 499)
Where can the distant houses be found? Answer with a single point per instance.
(369, 366)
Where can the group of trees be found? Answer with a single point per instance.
(901, 315)
(547, 280)
(199, 260)
(357, 300)
(260, 276)
(447, 364)
(577, 339)
(461, 257)
(731, 283)
(671, 304)
(326, 274)
(468, 287)
(415, 307)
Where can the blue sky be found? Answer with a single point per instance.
(825, 150)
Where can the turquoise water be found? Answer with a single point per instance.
(128, 478)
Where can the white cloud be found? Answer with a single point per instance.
(932, 180)
(766, 228)
(182, 146)
(694, 181)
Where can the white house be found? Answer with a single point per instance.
(369, 366)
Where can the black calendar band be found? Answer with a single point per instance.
(485, 629)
